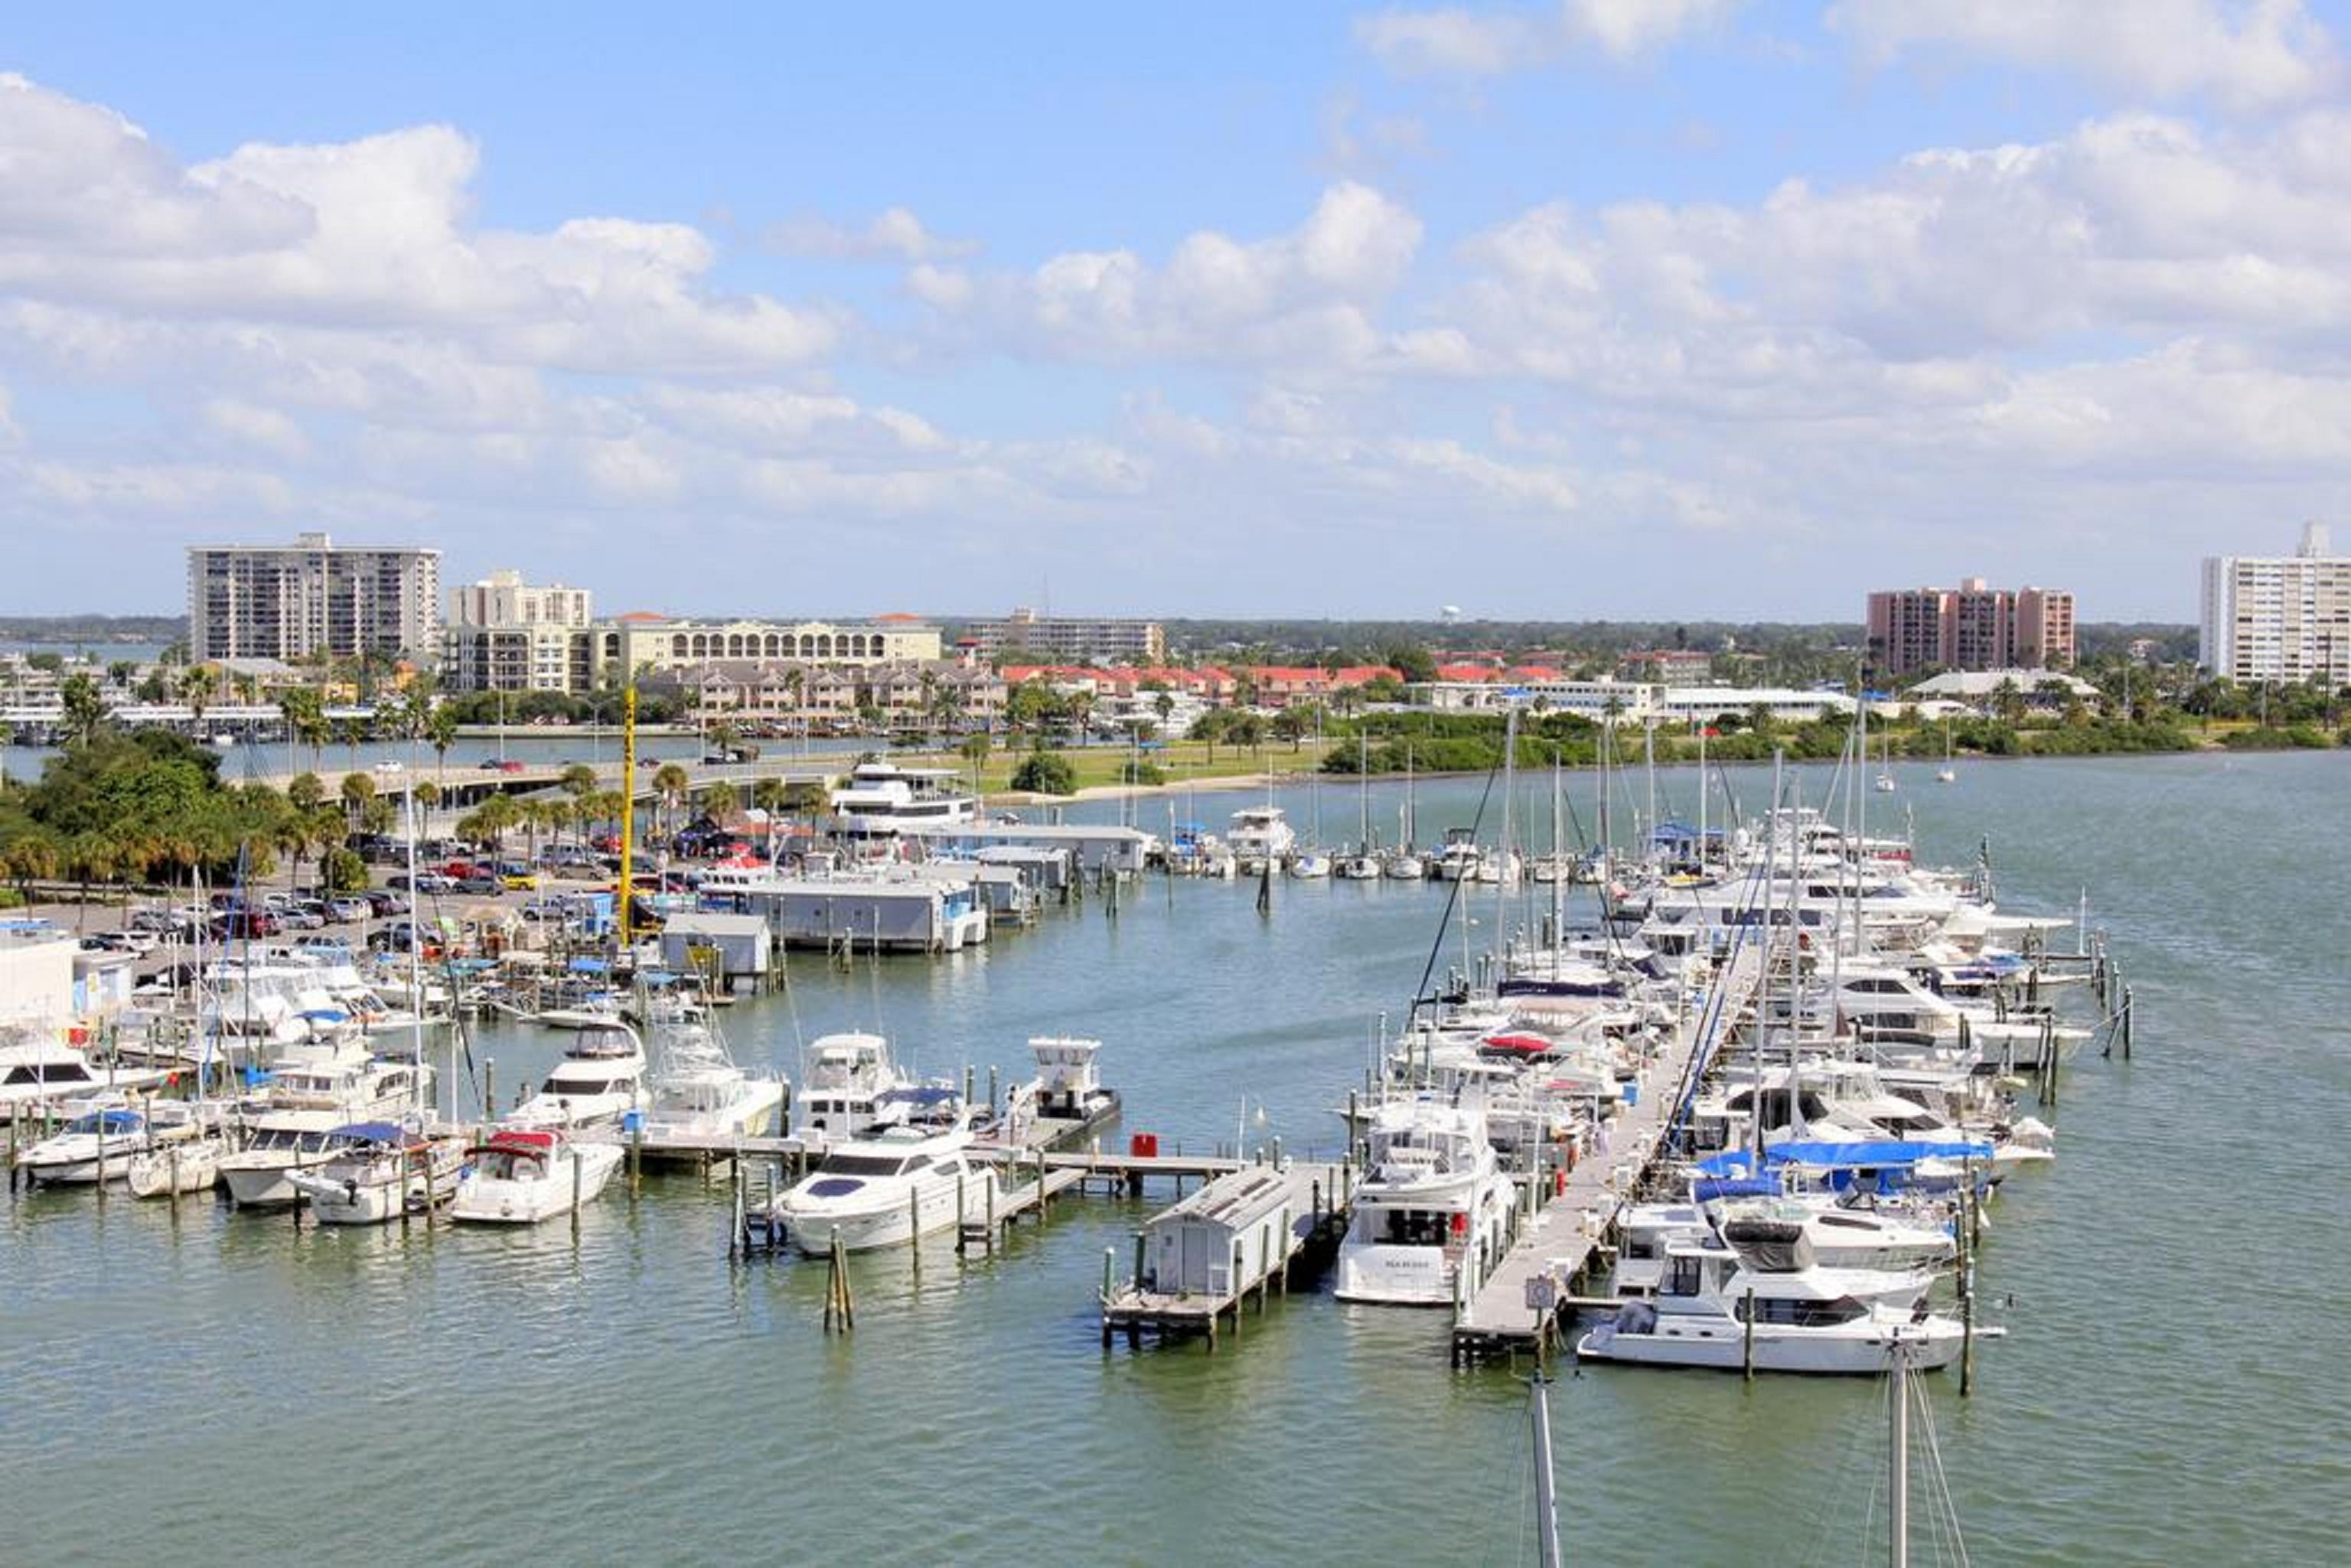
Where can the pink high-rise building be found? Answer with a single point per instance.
(1970, 627)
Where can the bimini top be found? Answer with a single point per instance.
(371, 1133)
(1831, 1155)
(520, 1141)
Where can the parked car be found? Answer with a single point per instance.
(345, 910)
(397, 937)
(519, 881)
(481, 883)
(329, 947)
(383, 901)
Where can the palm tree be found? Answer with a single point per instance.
(31, 857)
(579, 781)
(196, 690)
(720, 801)
(85, 709)
(90, 857)
(670, 784)
(441, 730)
(306, 719)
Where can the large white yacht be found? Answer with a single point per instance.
(848, 1075)
(894, 1185)
(1806, 1318)
(600, 1079)
(1432, 1195)
(1260, 834)
(878, 799)
(697, 1090)
(523, 1176)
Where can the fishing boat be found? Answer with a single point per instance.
(1066, 1098)
(848, 1076)
(523, 1176)
(379, 1171)
(600, 1079)
(696, 1089)
(893, 1186)
(1433, 1196)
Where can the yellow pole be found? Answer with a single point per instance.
(628, 809)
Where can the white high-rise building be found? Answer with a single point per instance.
(506, 635)
(2278, 618)
(290, 601)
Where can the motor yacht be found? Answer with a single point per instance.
(697, 1090)
(523, 1176)
(600, 1079)
(1260, 834)
(98, 1143)
(1432, 1200)
(277, 1144)
(847, 1074)
(38, 1071)
(891, 1186)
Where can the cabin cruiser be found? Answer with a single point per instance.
(1880, 1244)
(98, 1143)
(1772, 1307)
(1066, 1098)
(523, 1176)
(878, 799)
(1458, 859)
(379, 1171)
(696, 1090)
(44, 1071)
(341, 1075)
(277, 1144)
(1260, 834)
(848, 1076)
(600, 1079)
(892, 1185)
(1433, 1200)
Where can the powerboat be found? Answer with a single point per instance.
(44, 1072)
(377, 1172)
(600, 1079)
(98, 1145)
(1260, 834)
(523, 1176)
(1432, 1200)
(277, 1144)
(848, 1075)
(904, 1181)
(697, 1090)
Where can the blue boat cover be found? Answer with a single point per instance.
(1829, 1155)
(380, 1132)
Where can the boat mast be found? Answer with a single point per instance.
(1897, 1458)
(416, 972)
(1558, 870)
(1502, 860)
(1546, 1497)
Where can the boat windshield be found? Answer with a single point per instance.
(867, 1164)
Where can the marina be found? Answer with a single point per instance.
(1212, 997)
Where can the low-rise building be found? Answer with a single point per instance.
(635, 644)
(1074, 639)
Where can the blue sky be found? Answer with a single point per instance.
(1681, 308)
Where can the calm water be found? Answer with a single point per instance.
(2172, 1393)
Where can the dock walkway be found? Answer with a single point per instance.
(1524, 1293)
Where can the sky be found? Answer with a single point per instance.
(1592, 308)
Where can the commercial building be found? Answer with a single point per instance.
(1069, 640)
(2278, 618)
(507, 635)
(1970, 627)
(640, 643)
(291, 602)
(1637, 703)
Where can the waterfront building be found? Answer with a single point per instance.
(2278, 618)
(1635, 703)
(1074, 638)
(1668, 666)
(640, 643)
(941, 693)
(311, 597)
(1970, 627)
(507, 635)
(1980, 689)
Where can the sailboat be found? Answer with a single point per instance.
(1886, 767)
(1946, 774)
(1363, 865)
(1404, 864)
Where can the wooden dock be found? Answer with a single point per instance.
(1527, 1292)
(1250, 1229)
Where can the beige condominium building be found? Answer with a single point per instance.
(2278, 618)
(1078, 639)
(639, 644)
(310, 597)
(507, 635)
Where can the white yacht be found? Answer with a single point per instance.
(1806, 1319)
(43, 1072)
(98, 1145)
(1458, 858)
(1310, 864)
(600, 1079)
(848, 1075)
(878, 799)
(341, 1075)
(1875, 1243)
(1403, 865)
(523, 1176)
(379, 1171)
(1258, 834)
(277, 1144)
(1432, 1198)
(892, 1186)
(1066, 1098)
(697, 1090)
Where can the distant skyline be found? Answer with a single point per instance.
(1630, 309)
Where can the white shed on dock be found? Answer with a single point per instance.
(741, 946)
(1224, 1239)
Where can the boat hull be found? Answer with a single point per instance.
(1721, 1344)
(482, 1200)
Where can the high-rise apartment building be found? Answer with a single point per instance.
(1970, 627)
(1069, 639)
(290, 601)
(2278, 618)
(508, 635)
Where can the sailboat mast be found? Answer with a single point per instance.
(1546, 1496)
(1897, 1458)
(1558, 868)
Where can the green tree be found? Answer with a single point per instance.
(1046, 773)
(305, 711)
(579, 780)
(441, 733)
(304, 791)
(85, 710)
(720, 801)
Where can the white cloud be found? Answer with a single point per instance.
(2247, 53)
(895, 233)
(266, 428)
(1458, 42)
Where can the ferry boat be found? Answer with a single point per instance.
(878, 799)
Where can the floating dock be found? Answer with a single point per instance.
(1247, 1229)
(1523, 1297)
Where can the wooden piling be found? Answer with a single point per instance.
(1747, 1348)
(914, 1229)
(962, 1214)
(2128, 1001)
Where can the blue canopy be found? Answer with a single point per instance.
(327, 1014)
(1829, 1155)
(1734, 1186)
(376, 1131)
(588, 966)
